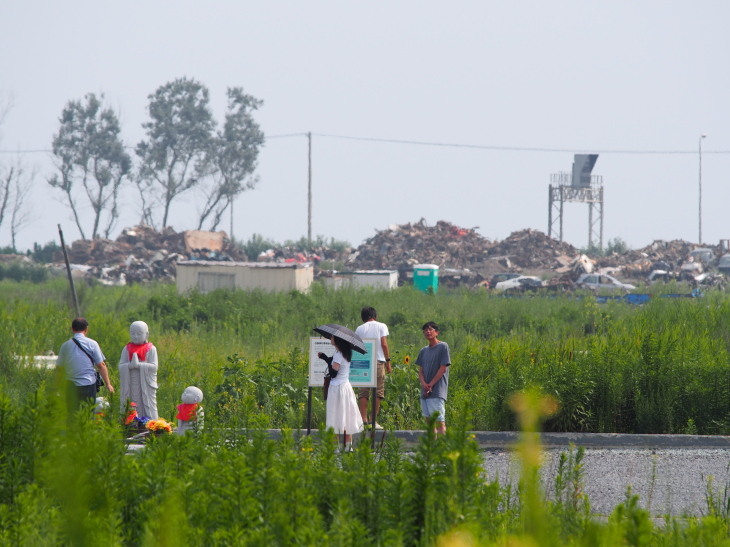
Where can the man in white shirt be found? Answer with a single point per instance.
(371, 328)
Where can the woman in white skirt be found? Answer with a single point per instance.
(343, 414)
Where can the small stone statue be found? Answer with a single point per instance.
(101, 406)
(138, 372)
(190, 414)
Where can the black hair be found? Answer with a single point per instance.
(368, 313)
(431, 324)
(79, 324)
(345, 348)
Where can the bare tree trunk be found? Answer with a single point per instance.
(5, 191)
(20, 215)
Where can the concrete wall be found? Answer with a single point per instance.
(206, 276)
(379, 279)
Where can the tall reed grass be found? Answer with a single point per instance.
(658, 368)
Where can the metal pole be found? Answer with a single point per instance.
(373, 421)
(68, 270)
(590, 226)
(550, 211)
(309, 193)
(309, 411)
(601, 213)
(700, 181)
(231, 219)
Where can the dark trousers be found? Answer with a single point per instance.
(77, 395)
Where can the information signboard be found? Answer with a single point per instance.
(363, 371)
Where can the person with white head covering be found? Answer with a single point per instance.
(138, 372)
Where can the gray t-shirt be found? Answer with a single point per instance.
(430, 359)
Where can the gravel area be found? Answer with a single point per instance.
(668, 481)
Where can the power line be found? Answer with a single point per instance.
(451, 145)
(39, 151)
(512, 148)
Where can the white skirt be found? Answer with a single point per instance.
(342, 413)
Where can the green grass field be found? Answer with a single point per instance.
(558, 364)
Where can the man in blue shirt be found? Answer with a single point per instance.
(79, 358)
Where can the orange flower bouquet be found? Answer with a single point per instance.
(159, 426)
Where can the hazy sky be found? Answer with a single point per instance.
(454, 111)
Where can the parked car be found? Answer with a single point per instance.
(657, 276)
(724, 264)
(496, 278)
(704, 255)
(597, 282)
(519, 283)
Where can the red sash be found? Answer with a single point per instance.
(186, 411)
(140, 349)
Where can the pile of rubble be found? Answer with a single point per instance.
(143, 254)
(532, 250)
(662, 255)
(450, 247)
(401, 247)
(464, 257)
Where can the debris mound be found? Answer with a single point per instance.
(142, 254)
(402, 246)
(532, 250)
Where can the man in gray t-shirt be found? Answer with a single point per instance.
(433, 363)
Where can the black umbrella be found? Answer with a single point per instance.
(343, 333)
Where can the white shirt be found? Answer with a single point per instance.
(374, 329)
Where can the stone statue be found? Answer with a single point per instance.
(190, 414)
(138, 372)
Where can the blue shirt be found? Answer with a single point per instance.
(77, 365)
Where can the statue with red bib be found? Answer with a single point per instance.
(138, 372)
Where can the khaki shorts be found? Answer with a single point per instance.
(364, 392)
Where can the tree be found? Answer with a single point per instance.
(15, 185)
(89, 150)
(232, 158)
(176, 152)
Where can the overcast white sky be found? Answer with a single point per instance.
(522, 85)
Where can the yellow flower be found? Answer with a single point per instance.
(407, 360)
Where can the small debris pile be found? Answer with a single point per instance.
(141, 254)
(660, 255)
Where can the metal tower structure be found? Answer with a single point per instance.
(582, 187)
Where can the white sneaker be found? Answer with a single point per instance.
(378, 426)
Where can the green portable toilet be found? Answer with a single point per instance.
(426, 277)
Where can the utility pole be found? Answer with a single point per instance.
(700, 180)
(309, 192)
(68, 271)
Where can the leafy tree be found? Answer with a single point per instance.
(45, 253)
(617, 245)
(233, 157)
(176, 152)
(89, 150)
